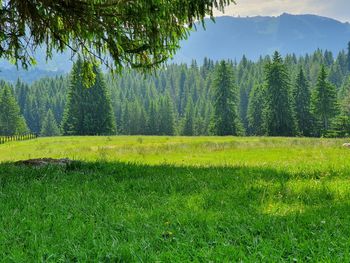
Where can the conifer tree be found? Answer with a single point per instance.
(22, 127)
(345, 98)
(340, 127)
(279, 116)
(225, 119)
(256, 108)
(89, 110)
(349, 56)
(133, 93)
(302, 105)
(181, 93)
(153, 124)
(126, 121)
(32, 115)
(143, 122)
(49, 127)
(11, 122)
(243, 105)
(166, 118)
(21, 93)
(134, 118)
(324, 102)
(188, 123)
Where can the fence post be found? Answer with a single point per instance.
(13, 138)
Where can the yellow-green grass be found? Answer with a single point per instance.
(176, 199)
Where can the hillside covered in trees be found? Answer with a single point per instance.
(230, 37)
(290, 96)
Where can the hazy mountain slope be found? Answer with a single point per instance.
(230, 37)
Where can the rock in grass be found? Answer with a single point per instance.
(44, 162)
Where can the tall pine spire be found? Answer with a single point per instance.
(225, 120)
(255, 113)
(11, 121)
(279, 116)
(302, 104)
(89, 110)
(324, 101)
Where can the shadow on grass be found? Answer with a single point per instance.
(114, 212)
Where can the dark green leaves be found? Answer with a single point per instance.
(139, 34)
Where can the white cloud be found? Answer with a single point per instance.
(338, 9)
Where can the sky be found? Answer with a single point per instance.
(337, 9)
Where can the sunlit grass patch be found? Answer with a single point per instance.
(176, 199)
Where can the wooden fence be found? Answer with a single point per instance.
(14, 138)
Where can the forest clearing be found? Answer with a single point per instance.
(174, 131)
(161, 199)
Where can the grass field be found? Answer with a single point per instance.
(176, 199)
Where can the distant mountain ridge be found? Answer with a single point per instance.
(233, 37)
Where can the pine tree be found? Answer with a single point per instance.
(126, 121)
(279, 119)
(243, 105)
(22, 127)
(188, 122)
(324, 102)
(32, 114)
(143, 122)
(349, 56)
(256, 107)
(153, 124)
(345, 98)
(181, 94)
(11, 122)
(21, 93)
(302, 105)
(166, 118)
(225, 120)
(49, 127)
(89, 110)
(340, 127)
(134, 118)
(132, 94)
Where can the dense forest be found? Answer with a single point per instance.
(274, 96)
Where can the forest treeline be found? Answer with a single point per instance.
(274, 96)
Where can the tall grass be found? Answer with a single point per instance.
(165, 199)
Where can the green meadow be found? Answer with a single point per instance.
(176, 199)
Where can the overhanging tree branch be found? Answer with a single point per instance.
(133, 33)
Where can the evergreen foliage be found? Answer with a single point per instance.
(49, 127)
(225, 118)
(279, 116)
(188, 125)
(11, 121)
(302, 105)
(140, 34)
(88, 110)
(256, 111)
(153, 123)
(349, 56)
(166, 118)
(340, 127)
(162, 103)
(324, 102)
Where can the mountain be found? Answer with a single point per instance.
(28, 76)
(228, 38)
(233, 37)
